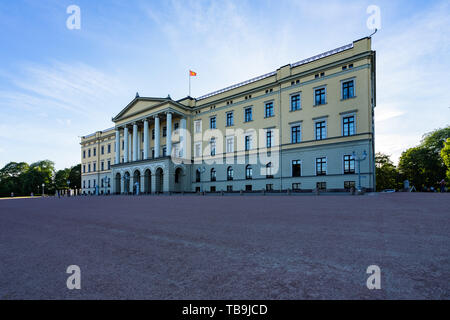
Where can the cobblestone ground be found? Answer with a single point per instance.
(240, 247)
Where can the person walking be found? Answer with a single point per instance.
(442, 185)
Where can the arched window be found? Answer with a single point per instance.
(230, 173)
(197, 175)
(269, 174)
(213, 174)
(248, 172)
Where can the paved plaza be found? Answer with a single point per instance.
(226, 247)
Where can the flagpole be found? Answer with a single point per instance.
(189, 83)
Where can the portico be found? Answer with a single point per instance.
(146, 140)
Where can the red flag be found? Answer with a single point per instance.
(192, 73)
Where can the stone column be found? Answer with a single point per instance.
(169, 134)
(183, 135)
(130, 147)
(146, 146)
(125, 147)
(153, 182)
(157, 137)
(117, 146)
(135, 142)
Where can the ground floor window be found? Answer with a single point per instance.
(349, 185)
(321, 186)
(213, 189)
(269, 187)
(229, 188)
(197, 189)
(248, 187)
(296, 186)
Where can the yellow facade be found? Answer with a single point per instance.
(331, 71)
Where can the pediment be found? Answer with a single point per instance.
(138, 105)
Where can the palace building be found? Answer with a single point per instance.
(305, 126)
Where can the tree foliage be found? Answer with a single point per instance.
(445, 155)
(387, 175)
(23, 179)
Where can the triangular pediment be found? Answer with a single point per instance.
(137, 105)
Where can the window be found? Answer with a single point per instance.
(198, 126)
(269, 110)
(89, 152)
(248, 187)
(213, 174)
(348, 125)
(197, 175)
(212, 144)
(176, 126)
(84, 154)
(230, 119)
(95, 152)
(230, 144)
(248, 115)
(84, 168)
(269, 173)
(212, 189)
(296, 186)
(321, 166)
(269, 187)
(248, 172)
(319, 96)
(248, 143)
(230, 173)
(95, 166)
(89, 167)
(348, 90)
(94, 181)
(212, 123)
(102, 166)
(229, 188)
(164, 150)
(103, 150)
(164, 131)
(321, 132)
(295, 102)
(84, 184)
(102, 183)
(109, 148)
(321, 186)
(269, 135)
(153, 153)
(349, 164)
(123, 144)
(348, 185)
(198, 149)
(296, 168)
(89, 183)
(153, 134)
(109, 164)
(295, 134)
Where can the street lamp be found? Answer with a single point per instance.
(43, 186)
(68, 185)
(359, 159)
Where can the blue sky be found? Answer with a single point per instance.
(58, 84)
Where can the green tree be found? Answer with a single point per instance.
(387, 175)
(445, 155)
(40, 172)
(435, 140)
(422, 167)
(61, 177)
(12, 178)
(75, 176)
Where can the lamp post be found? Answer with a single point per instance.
(359, 159)
(68, 185)
(43, 186)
